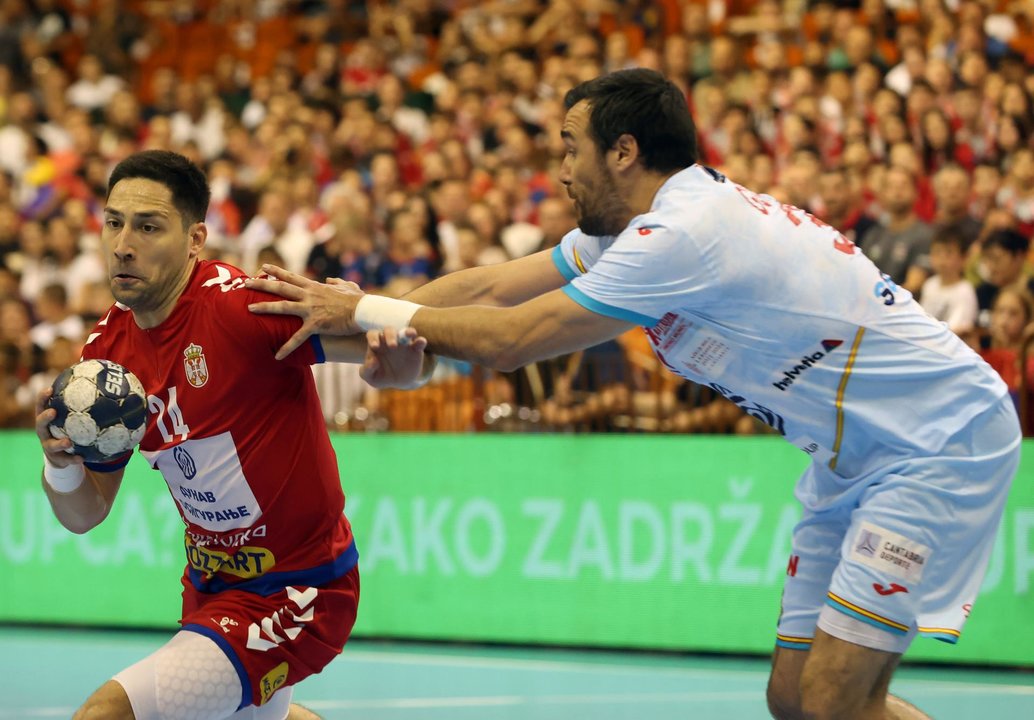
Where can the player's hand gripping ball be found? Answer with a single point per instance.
(101, 407)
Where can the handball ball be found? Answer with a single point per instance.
(101, 407)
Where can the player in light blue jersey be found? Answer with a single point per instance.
(912, 437)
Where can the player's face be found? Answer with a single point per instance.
(149, 252)
(597, 202)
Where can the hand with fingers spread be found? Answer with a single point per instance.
(55, 450)
(325, 308)
(396, 359)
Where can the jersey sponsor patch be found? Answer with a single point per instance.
(206, 478)
(808, 359)
(273, 681)
(818, 453)
(890, 553)
(682, 344)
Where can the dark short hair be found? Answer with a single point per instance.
(1013, 242)
(190, 192)
(645, 105)
(950, 234)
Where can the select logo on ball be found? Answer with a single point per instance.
(101, 407)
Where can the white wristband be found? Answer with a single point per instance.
(376, 312)
(63, 479)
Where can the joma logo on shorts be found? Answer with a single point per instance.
(894, 588)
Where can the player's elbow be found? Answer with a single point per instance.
(505, 356)
(80, 520)
(79, 526)
(519, 341)
(508, 362)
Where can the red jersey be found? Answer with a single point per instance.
(238, 435)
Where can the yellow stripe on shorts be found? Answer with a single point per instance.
(945, 631)
(862, 611)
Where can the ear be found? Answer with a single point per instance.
(625, 152)
(198, 233)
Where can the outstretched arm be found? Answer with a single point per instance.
(502, 285)
(325, 311)
(500, 338)
(510, 338)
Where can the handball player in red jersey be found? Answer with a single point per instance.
(271, 583)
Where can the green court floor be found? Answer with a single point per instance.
(47, 672)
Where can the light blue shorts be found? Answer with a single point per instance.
(906, 554)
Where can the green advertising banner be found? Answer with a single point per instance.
(664, 542)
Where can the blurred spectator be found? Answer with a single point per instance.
(1016, 193)
(270, 228)
(946, 294)
(63, 352)
(32, 262)
(556, 219)
(449, 201)
(842, 207)
(987, 180)
(939, 145)
(475, 249)
(56, 319)
(900, 243)
(408, 253)
(77, 263)
(93, 88)
(1013, 312)
(347, 254)
(15, 323)
(951, 188)
(17, 133)
(1003, 255)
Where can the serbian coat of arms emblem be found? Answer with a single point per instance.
(195, 366)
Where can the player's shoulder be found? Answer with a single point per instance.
(217, 277)
(691, 201)
(105, 334)
(219, 284)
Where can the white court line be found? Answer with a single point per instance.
(511, 700)
(933, 687)
(473, 661)
(943, 687)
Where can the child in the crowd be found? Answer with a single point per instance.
(946, 294)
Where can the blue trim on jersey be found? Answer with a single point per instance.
(110, 466)
(609, 310)
(943, 637)
(562, 265)
(864, 618)
(273, 582)
(793, 645)
(317, 347)
(231, 655)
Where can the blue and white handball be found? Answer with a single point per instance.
(101, 407)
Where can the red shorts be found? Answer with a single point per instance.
(278, 640)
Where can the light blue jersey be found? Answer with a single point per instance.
(913, 440)
(784, 316)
